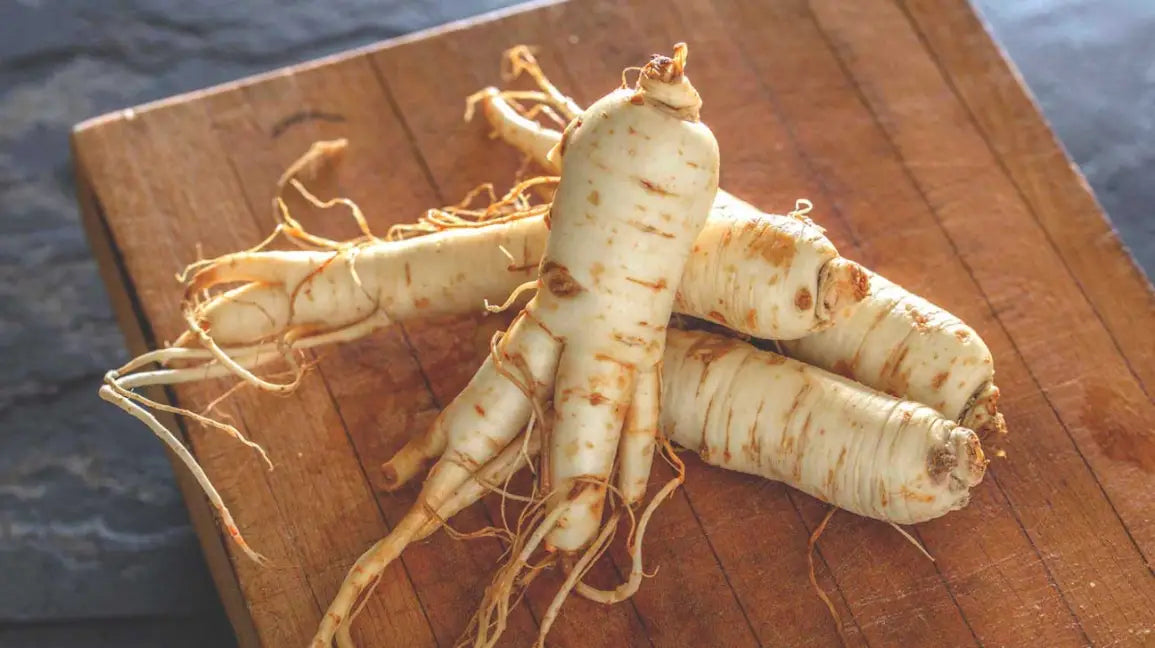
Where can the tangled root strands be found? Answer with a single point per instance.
(239, 370)
(113, 382)
(520, 59)
(491, 617)
(354, 209)
(117, 398)
(516, 204)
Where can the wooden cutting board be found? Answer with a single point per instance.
(925, 159)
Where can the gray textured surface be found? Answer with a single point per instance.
(91, 525)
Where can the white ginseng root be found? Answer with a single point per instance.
(761, 413)
(893, 341)
(901, 344)
(641, 171)
(772, 277)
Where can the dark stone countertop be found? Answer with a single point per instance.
(95, 546)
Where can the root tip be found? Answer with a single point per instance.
(390, 478)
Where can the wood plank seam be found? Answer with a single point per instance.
(946, 584)
(919, 187)
(408, 575)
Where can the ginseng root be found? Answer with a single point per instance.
(903, 345)
(896, 342)
(290, 301)
(640, 175)
(861, 450)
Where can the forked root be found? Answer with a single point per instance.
(425, 518)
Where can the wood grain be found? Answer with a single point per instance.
(926, 160)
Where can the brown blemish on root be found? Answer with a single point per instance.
(637, 99)
(709, 348)
(751, 318)
(939, 379)
(596, 271)
(940, 462)
(594, 198)
(718, 317)
(479, 409)
(776, 246)
(421, 302)
(558, 280)
(920, 320)
(803, 300)
(844, 369)
(962, 336)
(646, 228)
(408, 275)
(656, 286)
(918, 497)
(654, 188)
(898, 382)
(629, 340)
